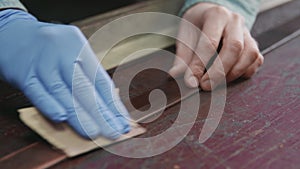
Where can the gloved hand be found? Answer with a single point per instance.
(41, 59)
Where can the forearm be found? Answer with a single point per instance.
(15, 4)
(248, 9)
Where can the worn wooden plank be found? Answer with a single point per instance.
(36, 155)
(258, 130)
(270, 27)
(15, 135)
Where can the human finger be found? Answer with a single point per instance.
(248, 57)
(186, 41)
(233, 44)
(90, 100)
(208, 43)
(35, 91)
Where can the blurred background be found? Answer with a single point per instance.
(66, 11)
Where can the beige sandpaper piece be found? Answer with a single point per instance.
(64, 138)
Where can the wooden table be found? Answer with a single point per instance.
(259, 127)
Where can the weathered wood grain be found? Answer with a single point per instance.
(258, 129)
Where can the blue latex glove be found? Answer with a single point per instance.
(40, 59)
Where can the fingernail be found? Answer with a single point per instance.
(193, 82)
(59, 117)
(206, 85)
(126, 129)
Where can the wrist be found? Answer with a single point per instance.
(199, 8)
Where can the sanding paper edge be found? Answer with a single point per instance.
(64, 138)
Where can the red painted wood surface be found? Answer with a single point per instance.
(259, 128)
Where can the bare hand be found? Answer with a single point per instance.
(239, 54)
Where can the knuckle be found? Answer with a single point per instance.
(220, 10)
(216, 10)
(237, 72)
(30, 83)
(214, 43)
(197, 70)
(208, 43)
(254, 54)
(260, 60)
(207, 14)
(236, 46)
(235, 16)
(73, 30)
(238, 17)
(56, 87)
(70, 109)
(30, 86)
(55, 33)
